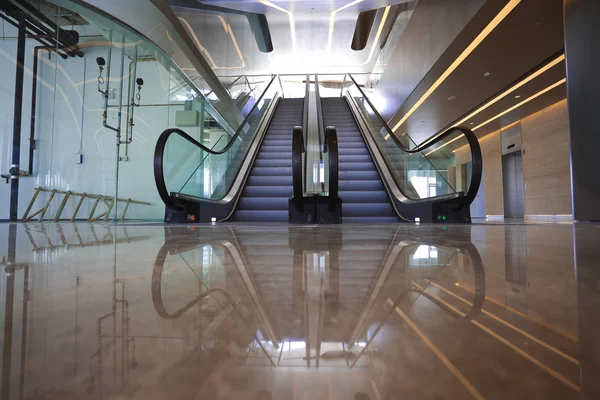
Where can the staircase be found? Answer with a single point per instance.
(269, 185)
(360, 188)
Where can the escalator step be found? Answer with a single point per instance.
(357, 196)
(357, 166)
(269, 180)
(271, 155)
(262, 215)
(358, 175)
(275, 163)
(263, 203)
(271, 171)
(367, 209)
(268, 191)
(356, 185)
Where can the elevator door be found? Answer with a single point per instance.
(512, 182)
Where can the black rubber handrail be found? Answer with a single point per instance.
(161, 144)
(331, 147)
(476, 156)
(297, 150)
(319, 112)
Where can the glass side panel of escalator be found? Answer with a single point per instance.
(418, 175)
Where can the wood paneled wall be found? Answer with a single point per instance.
(546, 164)
(546, 161)
(492, 171)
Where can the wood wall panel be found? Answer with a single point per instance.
(492, 171)
(546, 161)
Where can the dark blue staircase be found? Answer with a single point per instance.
(363, 195)
(269, 185)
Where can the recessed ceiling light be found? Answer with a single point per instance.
(487, 74)
(518, 96)
(471, 123)
(451, 98)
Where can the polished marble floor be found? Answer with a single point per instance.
(487, 311)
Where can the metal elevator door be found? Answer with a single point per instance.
(512, 182)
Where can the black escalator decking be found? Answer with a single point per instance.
(360, 187)
(269, 185)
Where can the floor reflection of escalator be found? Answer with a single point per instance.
(287, 312)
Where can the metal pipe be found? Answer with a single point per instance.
(107, 87)
(16, 25)
(120, 93)
(118, 130)
(132, 105)
(18, 107)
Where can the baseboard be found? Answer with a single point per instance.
(553, 217)
(494, 217)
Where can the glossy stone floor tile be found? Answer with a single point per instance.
(486, 311)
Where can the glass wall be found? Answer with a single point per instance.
(123, 90)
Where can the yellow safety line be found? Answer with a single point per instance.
(464, 381)
(511, 326)
(509, 344)
(566, 334)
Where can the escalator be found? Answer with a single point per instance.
(360, 187)
(246, 177)
(269, 185)
(386, 178)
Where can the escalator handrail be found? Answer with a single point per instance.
(161, 145)
(319, 112)
(476, 155)
(297, 150)
(331, 147)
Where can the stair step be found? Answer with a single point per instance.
(274, 163)
(263, 203)
(273, 155)
(268, 191)
(357, 196)
(356, 185)
(269, 180)
(357, 166)
(261, 216)
(271, 171)
(358, 175)
(367, 210)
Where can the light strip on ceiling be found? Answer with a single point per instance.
(290, 16)
(527, 100)
(474, 44)
(332, 21)
(512, 89)
(519, 85)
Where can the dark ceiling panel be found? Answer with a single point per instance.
(531, 33)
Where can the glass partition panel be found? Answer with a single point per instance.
(146, 94)
(415, 174)
(215, 173)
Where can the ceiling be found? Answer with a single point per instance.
(307, 36)
(530, 36)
